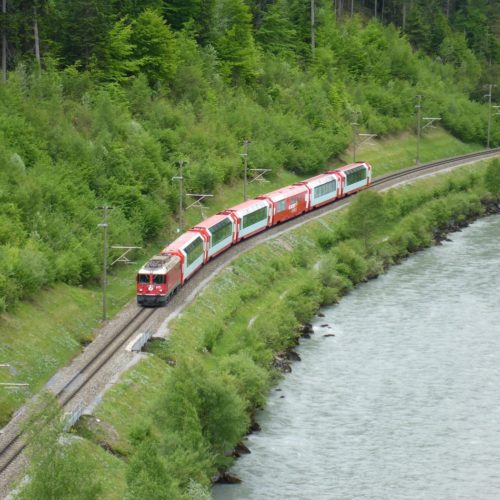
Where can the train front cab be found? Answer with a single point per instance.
(158, 280)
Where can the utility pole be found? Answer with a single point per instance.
(313, 40)
(104, 225)
(4, 41)
(352, 8)
(419, 119)
(244, 155)
(37, 39)
(489, 95)
(354, 126)
(180, 178)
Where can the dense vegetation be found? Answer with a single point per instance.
(173, 420)
(101, 98)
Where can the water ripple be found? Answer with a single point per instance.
(403, 402)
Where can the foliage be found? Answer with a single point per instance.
(492, 178)
(57, 467)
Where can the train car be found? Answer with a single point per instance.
(323, 189)
(251, 217)
(287, 202)
(354, 177)
(190, 248)
(219, 233)
(158, 280)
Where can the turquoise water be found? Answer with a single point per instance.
(404, 401)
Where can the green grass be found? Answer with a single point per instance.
(41, 335)
(400, 151)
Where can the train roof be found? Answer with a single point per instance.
(348, 167)
(211, 221)
(160, 264)
(246, 207)
(182, 241)
(284, 192)
(317, 180)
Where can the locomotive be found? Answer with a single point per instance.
(165, 273)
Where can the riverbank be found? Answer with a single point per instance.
(198, 390)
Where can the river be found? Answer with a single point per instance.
(404, 401)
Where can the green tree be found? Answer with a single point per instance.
(57, 467)
(366, 215)
(117, 63)
(492, 177)
(233, 39)
(155, 47)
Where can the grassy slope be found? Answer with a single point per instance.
(42, 335)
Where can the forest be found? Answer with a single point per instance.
(100, 99)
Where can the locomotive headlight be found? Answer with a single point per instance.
(151, 288)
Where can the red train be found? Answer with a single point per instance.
(162, 275)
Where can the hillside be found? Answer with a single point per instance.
(101, 99)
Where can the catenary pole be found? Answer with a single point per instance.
(246, 142)
(104, 226)
(313, 35)
(419, 115)
(4, 42)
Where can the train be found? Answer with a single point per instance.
(163, 275)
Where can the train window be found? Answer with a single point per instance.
(221, 231)
(143, 279)
(355, 175)
(194, 250)
(280, 206)
(159, 279)
(324, 189)
(254, 217)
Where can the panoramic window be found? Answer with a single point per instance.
(280, 206)
(254, 217)
(194, 250)
(355, 175)
(221, 231)
(324, 189)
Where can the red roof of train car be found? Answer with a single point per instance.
(207, 223)
(181, 241)
(285, 192)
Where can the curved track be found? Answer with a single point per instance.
(15, 445)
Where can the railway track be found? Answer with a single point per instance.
(13, 447)
(79, 380)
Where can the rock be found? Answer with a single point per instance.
(329, 335)
(292, 356)
(240, 449)
(254, 426)
(307, 328)
(321, 315)
(306, 336)
(226, 478)
(325, 326)
(281, 397)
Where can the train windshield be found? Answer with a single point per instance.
(159, 279)
(143, 279)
